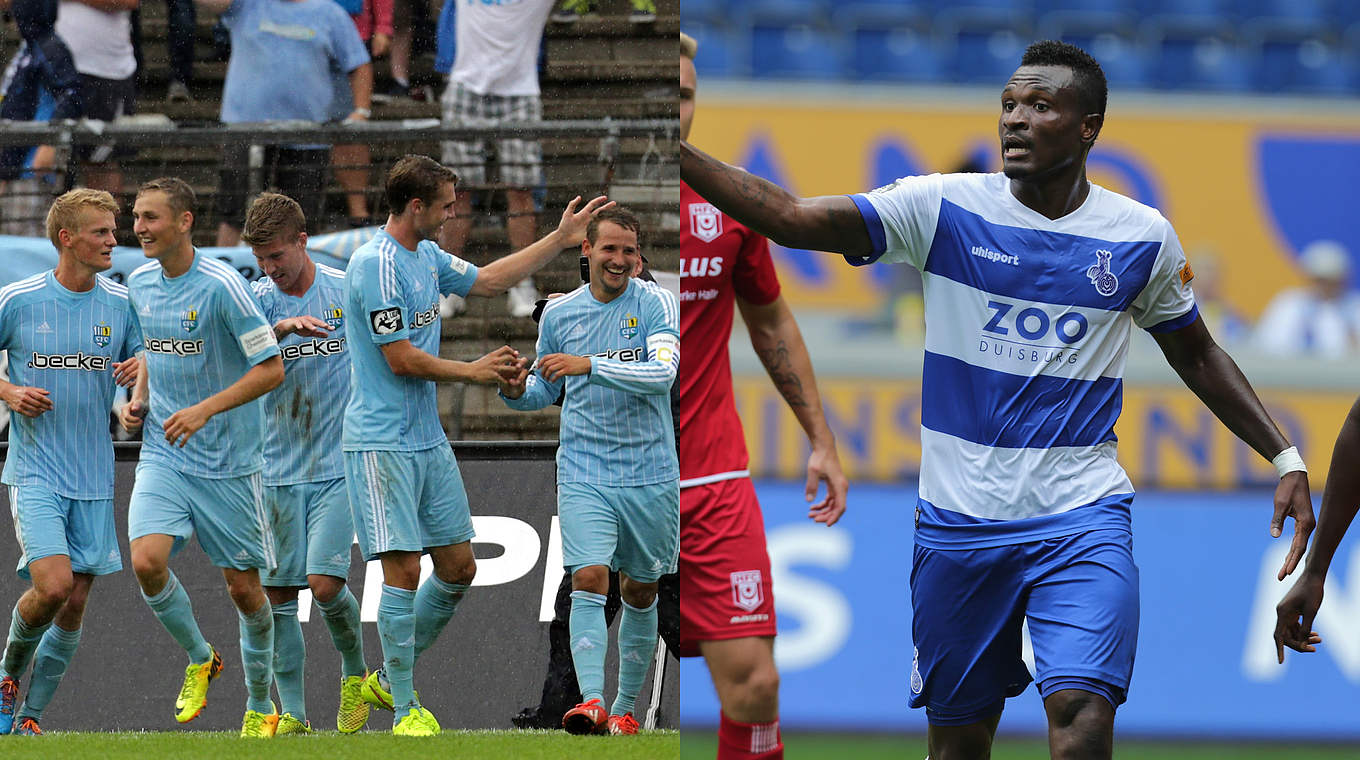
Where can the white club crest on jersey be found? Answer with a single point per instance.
(705, 221)
(1100, 275)
(746, 590)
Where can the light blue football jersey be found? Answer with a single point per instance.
(201, 331)
(392, 294)
(65, 343)
(1028, 322)
(304, 415)
(616, 427)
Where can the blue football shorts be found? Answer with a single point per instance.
(407, 501)
(228, 514)
(313, 531)
(1079, 594)
(48, 525)
(635, 529)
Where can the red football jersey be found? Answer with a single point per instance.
(719, 260)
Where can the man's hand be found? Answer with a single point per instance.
(513, 387)
(379, 44)
(572, 228)
(554, 366)
(824, 465)
(26, 400)
(1294, 616)
(307, 326)
(1292, 500)
(125, 372)
(184, 423)
(496, 367)
(131, 415)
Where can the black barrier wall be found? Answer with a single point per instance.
(487, 664)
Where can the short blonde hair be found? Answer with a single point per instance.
(67, 210)
(273, 215)
(689, 46)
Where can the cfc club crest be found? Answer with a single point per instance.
(746, 590)
(705, 222)
(102, 335)
(628, 326)
(189, 320)
(334, 316)
(1100, 275)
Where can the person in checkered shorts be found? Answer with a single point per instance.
(489, 87)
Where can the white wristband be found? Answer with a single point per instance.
(1288, 461)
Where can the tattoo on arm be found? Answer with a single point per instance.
(780, 368)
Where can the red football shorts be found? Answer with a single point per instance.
(725, 590)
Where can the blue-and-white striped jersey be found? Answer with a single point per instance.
(616, 427)
(392, 294)
(305, 414)
(65, 343)
(201, 332)
(1027, 331)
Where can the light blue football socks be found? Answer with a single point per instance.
(290, 651)
(637, 642)
(19, 648)
(257, 656)
(397, 628)
(54, 655)
(589, 638)
(173, 609)
(342, 620)
(435, 603)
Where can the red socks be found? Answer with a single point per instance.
(749, 741)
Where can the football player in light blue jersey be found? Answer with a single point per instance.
(304, 475)
(69, 337)
(1034, 278)
(615, 346)
(210, 355)
(405, 490)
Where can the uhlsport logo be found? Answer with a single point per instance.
(1101, 276)
(628, 326)
(189, 320)
(102, 335)
(705, 221)
(334, 316)
(746, 590)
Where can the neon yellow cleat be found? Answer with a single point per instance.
(417, 722)
(354, 709)
(260, 726)
(193, 695)
(289, 725)
(374, 693)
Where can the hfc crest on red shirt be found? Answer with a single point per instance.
(705, 221)
(746, 590)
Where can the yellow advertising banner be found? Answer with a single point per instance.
(1246, 188)
(1167, 438)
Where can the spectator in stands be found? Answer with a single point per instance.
(495, 81)
(99, 34)
(412, 26)
(373, 20)
(1320, 319)
(37, 21)
(182, 18)
(284, 54)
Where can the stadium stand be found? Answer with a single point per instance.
(601, 66)
(1263, 46)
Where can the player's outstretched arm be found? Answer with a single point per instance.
(827, 223)
(1340, 500)
(26, 400)
(1215, 378)
(497, 277)
(257, 381)
(306, 325)
(779, 344)
(405, 360)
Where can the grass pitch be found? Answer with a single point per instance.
(330, 745)
(702, 745)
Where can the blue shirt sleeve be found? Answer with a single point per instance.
(661, 310)
(347, 48)
(382, 302)
(538, 391)
(455, 275)
(245, 322)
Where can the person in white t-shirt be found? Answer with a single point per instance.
(99, 34)
(1320, 319)
(495, 81)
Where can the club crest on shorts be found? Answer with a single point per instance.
(746, 590)
(334, 316)
(102, 334)
(705, 221)
(628, 326)
(1100, 275)
(189, 320)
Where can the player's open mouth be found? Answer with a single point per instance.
(1014, 147)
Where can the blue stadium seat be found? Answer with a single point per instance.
(1107, 37)
(888, 43)
(1289, 57)
(706, 11)
(1116, 7)
(1190, 56)
(1209, 10)
(792, 43)
(983, 45)
(720, 49)
(1317, 13)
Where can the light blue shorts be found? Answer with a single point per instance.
(228, 514)
(635, 529)
(407, 501)
(48, 525)
(312, 530)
